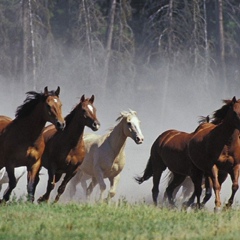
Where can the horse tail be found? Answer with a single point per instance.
(148, 172)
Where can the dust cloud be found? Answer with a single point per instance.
(179, 109)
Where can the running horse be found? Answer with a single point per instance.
(21, 142)
(105, 155)
(216, 148)
(170, 151)
(64, 151)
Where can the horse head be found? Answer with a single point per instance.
(53, 108)
(236, 112)
(89, 113)
(132, 127)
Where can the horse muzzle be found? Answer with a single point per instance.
(95, 126)
(139, 139)
(60, 125)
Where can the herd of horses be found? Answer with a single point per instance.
(208, 154)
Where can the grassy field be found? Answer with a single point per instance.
(118, 221)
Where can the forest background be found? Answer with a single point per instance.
(171, 60)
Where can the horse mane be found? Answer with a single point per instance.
(203, 119)
(125, 114)
(220, 114)
(70, 116)
(33, 98)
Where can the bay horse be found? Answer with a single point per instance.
(217, 147)
(105, 155)
(170, 151)
(64, 151)
(21, 142)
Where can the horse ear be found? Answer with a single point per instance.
(46, 91)
(234, 100)
(57, 92)
(82, 98)
(91, 100)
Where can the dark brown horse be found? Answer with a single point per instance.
(169, 151)
(64, 151)
(21, 142)
(216, 147)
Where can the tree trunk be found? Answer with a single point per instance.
(221, 44)
(29, 61)
(88, 39)
(109, 43)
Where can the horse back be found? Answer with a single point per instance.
(170, 150)
(4, 122)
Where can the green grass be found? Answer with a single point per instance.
(114, 221)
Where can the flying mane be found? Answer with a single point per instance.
(125, 114)
(33, 98)
(220, 114)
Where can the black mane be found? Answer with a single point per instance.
(33, 98)
(221, 113)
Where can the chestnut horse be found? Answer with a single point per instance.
(170, 151)
(64, 151)
(217, 147)
(105, 155)
(21, 142)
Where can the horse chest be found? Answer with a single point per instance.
(113, 168)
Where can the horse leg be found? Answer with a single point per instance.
(33, 179)
(100, 179)
(216, 187)
(72, 185)
(91, 187)
(50, 186)
(234, 176)
(196, 177)
(12, 183)
(157, 173)
(177, 180)
(208, 192)
(62, 187)
(113, 186)
(83, 181)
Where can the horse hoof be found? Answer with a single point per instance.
(41, 200)
(217, 209)
(227, 207)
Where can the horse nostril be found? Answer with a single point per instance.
(61, 125)
(96, 125)
(139, 140)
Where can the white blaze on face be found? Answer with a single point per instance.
(55, 100)
(90, 107)
(136, 123)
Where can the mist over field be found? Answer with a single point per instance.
(183, 104)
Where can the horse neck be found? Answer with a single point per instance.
(117, 138)
(33, 124)
(221, 134)
(234, 139)
(73, 132)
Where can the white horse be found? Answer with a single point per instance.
(18, 171)
(105, 155)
